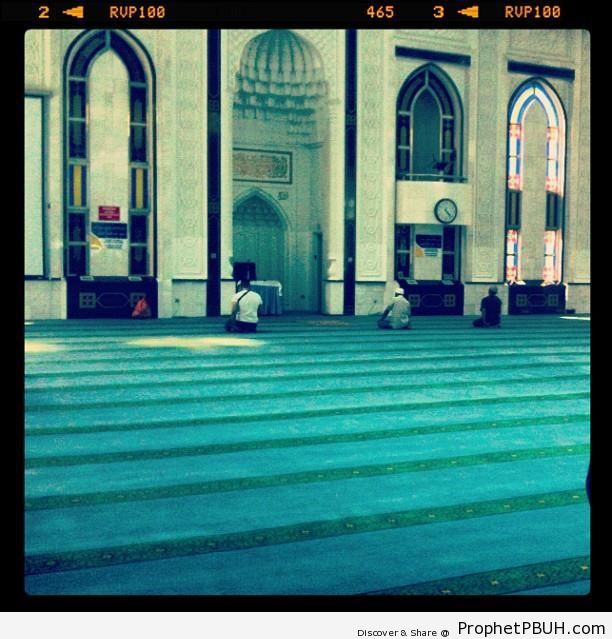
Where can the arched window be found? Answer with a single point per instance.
(78, 65)
(259, 236)
(429, 137)
(530, 93)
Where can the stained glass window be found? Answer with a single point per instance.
(77, 186)
(138, 260)
(138, 229)
(87, 52)
(138, 104)
(78, 99)
(140, 189)
(551, 272)
(138, 143)
(512, 252)
(523, 98)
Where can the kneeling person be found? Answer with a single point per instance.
(245, 309)
(397, 313)
(490, 311)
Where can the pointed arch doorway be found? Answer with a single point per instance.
(259, 236)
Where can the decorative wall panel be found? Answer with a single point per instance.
(189, 229)
(370, 153)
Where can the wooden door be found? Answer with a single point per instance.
(259, 237)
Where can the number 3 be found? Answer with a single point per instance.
(438, 11)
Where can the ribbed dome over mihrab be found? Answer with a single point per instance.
(280, 69)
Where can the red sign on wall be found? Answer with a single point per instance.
(109, 213)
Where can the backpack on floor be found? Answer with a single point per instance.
(142, 310)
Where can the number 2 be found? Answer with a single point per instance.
(43, 12)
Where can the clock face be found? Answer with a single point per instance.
(445, 211)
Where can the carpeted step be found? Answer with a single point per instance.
(319, 456)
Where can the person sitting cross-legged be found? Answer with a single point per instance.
(245, 308)
(397, 313)
(490, 311)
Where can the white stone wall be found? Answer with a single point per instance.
(310, 202)
(34, 205)
(371, 298)
(43, 53)
(332, 170)
(488, 107)
(579, 297)
(188, 298)
(375, 203)
(108, 176)
(44, 300)
(43, 75)
(577, 266)
(190, 231)
(374, 163)
(179, 59)
(533, 199)
(189, 263)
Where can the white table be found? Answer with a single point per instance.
(270, 292)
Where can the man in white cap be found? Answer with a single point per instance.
(397, 314)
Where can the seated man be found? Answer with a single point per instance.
(397, 313)
(490, 310)
(244, 312)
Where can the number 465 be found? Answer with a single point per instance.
(388, 11)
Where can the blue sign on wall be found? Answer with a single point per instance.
(110, 229)
(429, 241)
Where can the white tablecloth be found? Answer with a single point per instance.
(271, 292)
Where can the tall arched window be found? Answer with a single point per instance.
(429, 136)
(527, 95)
(77, 152)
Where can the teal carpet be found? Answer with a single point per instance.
(320, 456)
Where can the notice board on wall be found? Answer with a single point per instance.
(428, 253)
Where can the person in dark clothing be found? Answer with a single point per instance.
(588, 483)
(490, 310)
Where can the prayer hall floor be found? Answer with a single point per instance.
(318, 456)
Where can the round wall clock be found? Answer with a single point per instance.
(445, 211)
